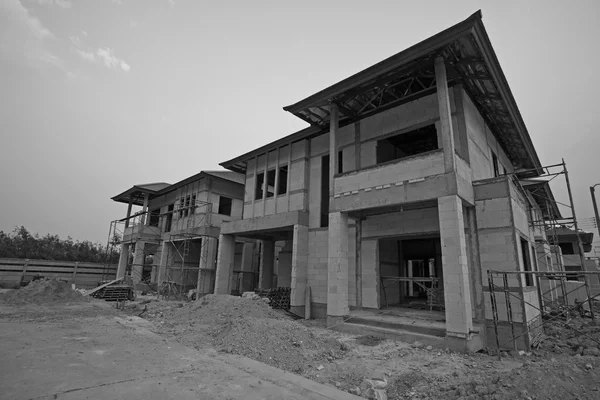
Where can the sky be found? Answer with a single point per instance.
(99, 95)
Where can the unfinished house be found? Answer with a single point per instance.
(172, 241)
(400, 196)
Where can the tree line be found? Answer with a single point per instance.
(21, 244)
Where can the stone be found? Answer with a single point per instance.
(355, 391)
(429, 347)
(416, 344)
(320, 367)
(588, 366)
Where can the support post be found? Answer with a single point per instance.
(441, 81)
(123, 258)
(144, 210)
(225, 260)
(337, 269)
(138, 262)
(333, 129)
(579, 242)
(457, 291)
(128, 214)
(267, 261)
(299, 271)
(74, 271)
(206, 272)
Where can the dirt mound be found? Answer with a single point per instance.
(43, 291)
(247, 327)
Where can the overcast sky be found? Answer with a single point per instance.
(98, 95)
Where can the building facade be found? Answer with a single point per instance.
(405, 188)
(173, 238)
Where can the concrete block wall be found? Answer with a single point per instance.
(369, 252)
(338, 276)
(295, 156)
(418, 166)
(481, 143)
(411, 222)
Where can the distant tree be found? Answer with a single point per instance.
(21, 244)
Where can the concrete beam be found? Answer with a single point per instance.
(441, 80)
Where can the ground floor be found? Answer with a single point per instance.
(431, 255)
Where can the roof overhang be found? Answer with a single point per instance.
(135, 195)
(408, 75)
(543, 196)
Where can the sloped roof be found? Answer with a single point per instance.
(136, 193)
(566, 234)
(228, 175)
(408, 75)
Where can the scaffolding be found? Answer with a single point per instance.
(187, 234)
(559, 294)
(178, 235)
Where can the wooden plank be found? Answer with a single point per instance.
(102, 286)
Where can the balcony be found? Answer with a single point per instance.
(141, 232)
(388, 183)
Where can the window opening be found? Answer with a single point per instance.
(225, 205)
(407, 144)
(283, 177)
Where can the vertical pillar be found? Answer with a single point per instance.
(457, 290)
(206, 273)
(299, 270)
(123, 258)
(225, 261)
(248, 283)
(267, 260)
(162, 267)
(337, 269)
(144, 210)
(443, 97)
(138, 262)
(333, 129)
(284, 265)
(128, 214)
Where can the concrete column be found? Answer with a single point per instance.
(246, 268)
(457, 290)
(206, 274)
(225, 260)
(123, 258)
(128, 214)
(267, 260)
(138, 262)
(299, 270)
(333, 128)
(284, 266)
(441, 80)
(337, 269)
(162, 266)
(144, 209)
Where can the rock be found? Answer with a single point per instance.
(588, 366)
(376, 383)
(429, 347)
(338, 384)
(375, 394)
(320, 367)
(591, 351)
(416, 344)
(355, 391)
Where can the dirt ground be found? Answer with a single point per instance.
(565, 366)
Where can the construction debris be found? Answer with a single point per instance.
(43, 291)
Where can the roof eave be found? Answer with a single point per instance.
(412, 53)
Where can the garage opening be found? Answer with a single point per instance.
(410, 273)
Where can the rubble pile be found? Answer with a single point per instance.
(43, 291)
(244, 326)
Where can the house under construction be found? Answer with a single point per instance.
(172, 240)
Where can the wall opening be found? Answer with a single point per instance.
(283, 176)
(260, 181)
(225, 205)
(169, 220)
(154, 217)
(270, 183)
(405, 269)
(526, 262)
(407, 144)
(325, 191)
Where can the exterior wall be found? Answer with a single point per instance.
(481, 143)
(295, 157)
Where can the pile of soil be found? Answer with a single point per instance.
(43, 291)
(247, 327)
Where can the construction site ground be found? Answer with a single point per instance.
(217, 347)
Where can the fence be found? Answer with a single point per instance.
(13, 271)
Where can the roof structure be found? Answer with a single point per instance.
(136, 193)
(566, 234)
(408, 75)
(542, 194)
